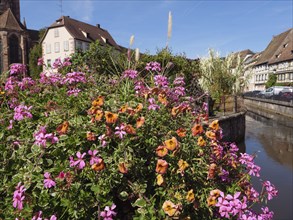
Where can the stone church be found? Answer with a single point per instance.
(15, 39)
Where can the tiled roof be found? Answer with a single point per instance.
(8, 21)
(280, 49)
(85, 32)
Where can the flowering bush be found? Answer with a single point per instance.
(126, 148)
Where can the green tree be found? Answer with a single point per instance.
(271, 81)
(34, 55)
(221, 76)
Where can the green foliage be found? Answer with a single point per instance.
(221, 76)
(271, 81)
(174, 65)
(99, 59)
(34, 55)
(162, 166)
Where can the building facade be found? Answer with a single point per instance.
(15, 38)
(67, 36)
(276, 59)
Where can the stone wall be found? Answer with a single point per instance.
(233, 126)
(269, 108)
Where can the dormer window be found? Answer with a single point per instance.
(278, 55)
(285, 45)
(85, 34)
(104, 39)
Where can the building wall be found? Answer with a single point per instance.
(58, 43)
(54, 37)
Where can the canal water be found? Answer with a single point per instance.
(273, 143)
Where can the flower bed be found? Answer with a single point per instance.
(82, 146)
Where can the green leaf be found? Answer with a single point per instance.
(123, 195)
(1, 135)
(140, 202)
(95, 188)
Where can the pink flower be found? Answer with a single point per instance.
(10, 125)
(48, 182)
(79, 162)
(119, 131)
(18, 196)
(17, 68)
(41, 137)
(108, 212)
(21, 112)
(94, 159)
(41, 61)
(73, 92)
(132, 74)
(61, 175)
(271, 190)
(153, 66)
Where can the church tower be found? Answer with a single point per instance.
(13, 5)
(15, 38)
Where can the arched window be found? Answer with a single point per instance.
(14, 50)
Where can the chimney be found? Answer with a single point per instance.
(98, 26)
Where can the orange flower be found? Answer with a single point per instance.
(111, 118)
(214, 194)
(99, 115)
(175, 111)
(98, 102)
(171, 144)
(169, 208)
(201, 142)
(190, 196)
(129, 129)
(90, 136)
(161, 151)
(63, 128)
(93, 110)
(160, 179)
(181, 132)
(162, 99)
(214, 125)
(139, 122)
(197, 129)
(211, 135)
(138, 107)
(182, 165)
(123, 108)
(99, 166)
(212, 170)
(162, 166)
(122, 168)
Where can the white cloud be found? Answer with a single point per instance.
(81, 10)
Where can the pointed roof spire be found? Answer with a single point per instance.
(24, 22)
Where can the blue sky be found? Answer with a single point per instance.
(227, 26)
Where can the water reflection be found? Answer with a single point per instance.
(276, 139)
(272, 142)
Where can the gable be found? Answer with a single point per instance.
(8, 21)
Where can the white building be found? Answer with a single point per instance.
(67, 36)
(276, 59)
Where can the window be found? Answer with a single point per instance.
(78, 45)
(66, 45)
(48, 48)
(56, 33)
(49, 62)
(57, 47)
